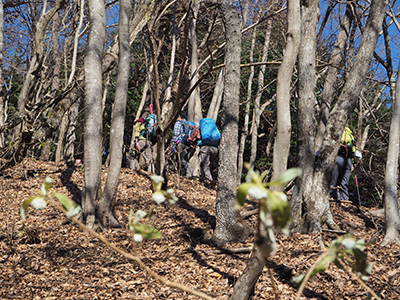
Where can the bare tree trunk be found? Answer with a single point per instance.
(392, 226)
(331, 76)
(257, 109)
(282, 140)
(93, 110)
(76, 42)
(245, 129)
(106, 203)
(217, 96)
(194, 105)
(306, 110)
(57, 55)
(69, 152)
(61, 139)
(341, 113)
(229, 226)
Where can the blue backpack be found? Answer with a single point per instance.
(210, 134)
(188, 128)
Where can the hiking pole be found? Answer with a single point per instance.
(358, 191)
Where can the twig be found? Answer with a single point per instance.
(386, 283)
(341, 201)
(275, 288)
(308, 275)
(352, 274)
(334, 231)
(249, 213)
(136, 259)
(234, 250)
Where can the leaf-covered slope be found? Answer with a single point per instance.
(55, 259)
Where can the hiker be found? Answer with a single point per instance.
(142, 146)
(184, 150)
(339, 186)
(208, 142)
(206, 154)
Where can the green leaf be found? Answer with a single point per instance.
(296, 281)
(322, 265)
(157, 182)
(73, 211)
(169, 195)
(157, 179)
(147, 231)
(257, 192)
(158, 197)
(139, 215)
(70, 206)
(241, 194)
(280, 209)
(284, 178)
(25, 206)
(48, 183)
(349, 243)
(39, 203)
(21, 231)
(138, 237)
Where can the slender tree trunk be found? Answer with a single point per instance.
(257, 109)
(392, 226)
(245, 129)
(69, 152)
(76, 42)
(61, 138)
(106, 204)
(194, 105)
(229, 226)
(217, 96)
(93, 110)
(284, 80)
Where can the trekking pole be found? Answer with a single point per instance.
(358, 191)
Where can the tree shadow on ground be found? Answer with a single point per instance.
(285, 273)
(72, 187)
(196, 236)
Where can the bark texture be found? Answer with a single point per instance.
(306, 111)
(93, 109)
(284, 83)
(229, 226)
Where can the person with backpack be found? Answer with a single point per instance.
(208, 140)
(339, 185)
(142, 146)
(182, 151)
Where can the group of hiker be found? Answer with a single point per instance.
(187, 136)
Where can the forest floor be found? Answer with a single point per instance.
(55, 259)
